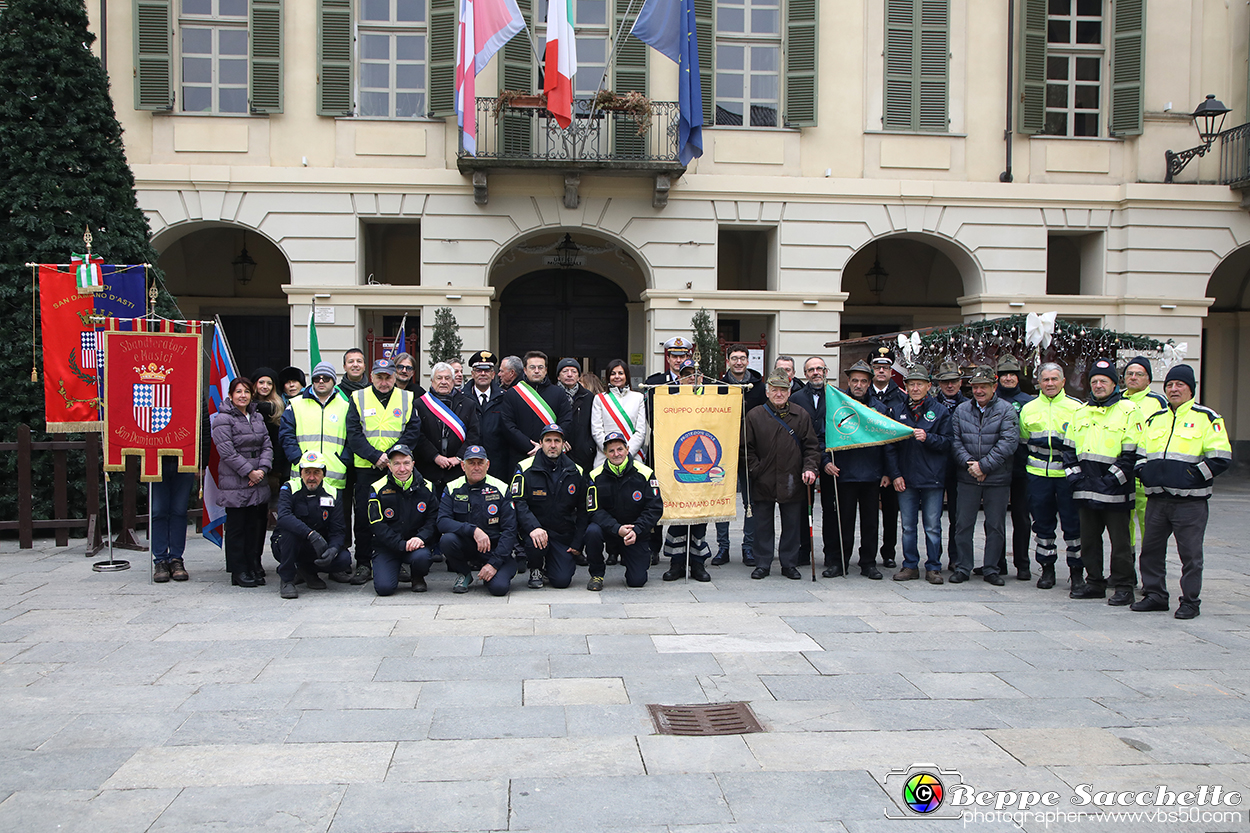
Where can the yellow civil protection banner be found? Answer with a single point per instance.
(697, 432)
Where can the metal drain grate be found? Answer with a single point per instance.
(705, 719)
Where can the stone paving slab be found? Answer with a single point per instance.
(198, 706)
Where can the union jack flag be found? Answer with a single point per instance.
(88, 350)
(152, 410)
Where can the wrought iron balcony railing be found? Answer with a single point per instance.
(1235, 156)
(520, 133)
(520, 138)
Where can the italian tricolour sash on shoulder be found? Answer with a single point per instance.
(617, 411)
(537, 404)
(445, 415)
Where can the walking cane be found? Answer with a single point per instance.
(837, 511)
(811, 535)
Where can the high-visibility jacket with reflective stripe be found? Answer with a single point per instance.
(1042, 425)
(323, 429)
(1100, 451)
(1184, 450)
(381, 422)
(1147, 401)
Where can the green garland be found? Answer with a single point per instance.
(1073, 344)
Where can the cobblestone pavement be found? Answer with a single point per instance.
(130, 706)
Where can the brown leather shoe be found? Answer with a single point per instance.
(907, 574)
(160, 572)
(177, 571)
(933, 576)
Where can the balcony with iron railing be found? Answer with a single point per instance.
(1235, 158)
(517, 134)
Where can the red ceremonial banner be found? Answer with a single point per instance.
(151, 399)
(70, 396)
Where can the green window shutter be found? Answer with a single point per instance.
(1033, 67)
(933, 63)
(444, 18)
(516, 72)
(1128, 66)
(801, 52)
(705, 33)
(265, 43)
(154, 58)
(917, 65)
(334, 57)
(628, 75)
(900, 65)
(630, 71)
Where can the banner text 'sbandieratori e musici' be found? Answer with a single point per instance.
(697, 435)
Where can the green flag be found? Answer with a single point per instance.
(851, 424)
(314, 349)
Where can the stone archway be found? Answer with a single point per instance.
(1226, 348)
(255, 316)
(922, 287)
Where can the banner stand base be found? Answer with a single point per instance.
(110, 566)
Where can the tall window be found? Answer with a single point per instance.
(590, 24)
(592, 46)
(212, 38)
(1074, 64)
(748, 62)
(392, 55)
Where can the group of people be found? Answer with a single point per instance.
(508, 472)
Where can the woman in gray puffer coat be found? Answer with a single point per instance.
(242, 441)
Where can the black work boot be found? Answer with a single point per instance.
(676, 570)
(1047, 579)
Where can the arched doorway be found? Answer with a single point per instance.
(565, 312)
(199, 270)
(1226, 348)
(898, 283)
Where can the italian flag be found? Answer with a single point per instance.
(561, 61)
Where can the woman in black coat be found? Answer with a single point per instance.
(242, 441)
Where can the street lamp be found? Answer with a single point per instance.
(244, 266)
(1205, 117)
(876, 276)
(567, 253)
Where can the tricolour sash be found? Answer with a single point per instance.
(537, 404)
(445, 415)
(617, 411)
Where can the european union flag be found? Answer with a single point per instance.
(668, 26)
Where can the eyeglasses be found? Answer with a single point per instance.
(323, 378)
(404, 368)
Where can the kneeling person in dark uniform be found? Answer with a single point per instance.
(311, 530)
(549, 495)
(403, 515)
(624, 504)
(478, 526)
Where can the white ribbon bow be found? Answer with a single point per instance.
(1174, 353)
(1038, 329)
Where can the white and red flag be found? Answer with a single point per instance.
(485, 26)
(560, 61)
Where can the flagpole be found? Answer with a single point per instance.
(837, 511)
(616, 45)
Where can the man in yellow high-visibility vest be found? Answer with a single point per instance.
(378, 417)
(1099, 456)
(1186, 447)
(1137, 377)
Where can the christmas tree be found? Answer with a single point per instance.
(63, 168)
(706, 345)
(445, 341)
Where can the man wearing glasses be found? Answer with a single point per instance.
(406, 374)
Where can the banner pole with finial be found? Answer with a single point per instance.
(34, 318)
